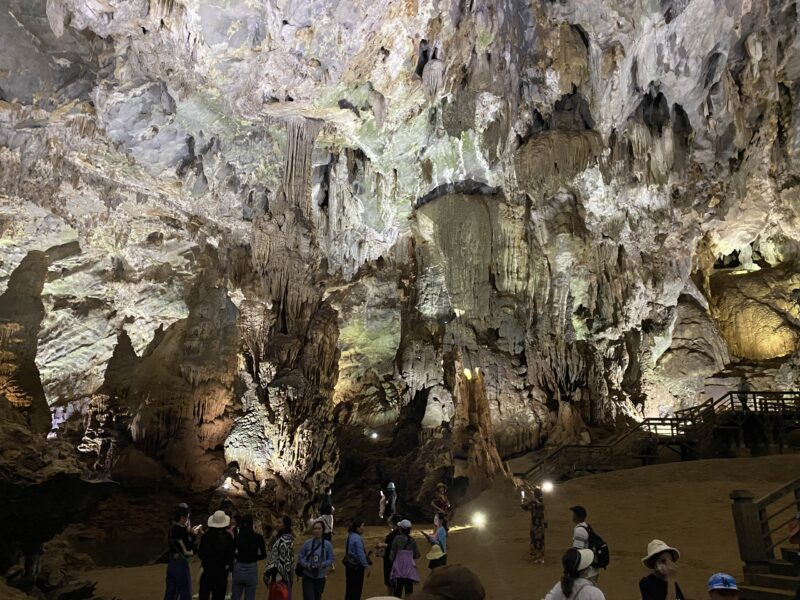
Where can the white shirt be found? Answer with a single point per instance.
(583, 589)
(580, 536)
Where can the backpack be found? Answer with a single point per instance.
(597, 545)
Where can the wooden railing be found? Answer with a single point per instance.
(687, 424)
(763, 525)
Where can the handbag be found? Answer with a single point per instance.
(278, 591)
(349, 560)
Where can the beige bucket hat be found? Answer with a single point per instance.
(656, 547)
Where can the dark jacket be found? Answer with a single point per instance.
(655, 588)
(216, 550)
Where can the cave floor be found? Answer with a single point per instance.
(685, 504)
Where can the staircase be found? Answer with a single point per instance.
(685, 433)
(762, 527)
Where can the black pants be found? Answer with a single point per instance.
(402, 584)
(439, 562)
(313, 588)
(213, 584)
(355, 582)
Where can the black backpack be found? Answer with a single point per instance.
(598, 545)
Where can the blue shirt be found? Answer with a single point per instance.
(355, 546)
(441, 538)
(316, 553)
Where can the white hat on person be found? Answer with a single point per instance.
(656, 547)
(404, 524)
(219, 520)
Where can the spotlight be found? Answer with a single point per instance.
(374, 435)
(479, 520)
(547, 486)
(227, 484)
(468, 373)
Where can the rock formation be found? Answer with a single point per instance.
(238, 238)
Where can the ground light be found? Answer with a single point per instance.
(479, 520)
(227, 484)
(547, 486)
(374, 435)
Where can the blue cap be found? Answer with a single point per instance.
(721, 581)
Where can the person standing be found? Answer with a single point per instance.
(281, 558)
(535, 505)
(575, 582)
(250, 548)
(381, 505)
(403, 555)
(742, 390)
(438, 538)
(660, 584)
(440, 502)
(386, 548)
(580, 536)
(181, 547)
(316, 557)
(216, 553)
(391, 500)
(357, 565)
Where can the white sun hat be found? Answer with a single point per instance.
(219, 520)
(656, 547)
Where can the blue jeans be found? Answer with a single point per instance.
(179, 580)
(245, 581)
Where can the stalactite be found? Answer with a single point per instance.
(301, 133)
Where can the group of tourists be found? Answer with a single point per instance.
(589, 554)
(229, 548)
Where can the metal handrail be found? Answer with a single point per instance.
(697, 418)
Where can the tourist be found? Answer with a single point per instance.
(281, 558)
(233, 528)
(742, 391)
(250, 548)
(580, 536)
(381, 505)
(316, 557)
(455, 582)
(438, 537)
(660, 584)
(722, 586)
(575, 582)
(216, 553)
(440, 502)
(535, 504)
(384, 550)
(403, 554)
(356, 561)
(181, 547)
(326, 518)
(391, 500)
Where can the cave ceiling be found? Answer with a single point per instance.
(228, 224)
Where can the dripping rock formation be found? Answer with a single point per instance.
(258, 250)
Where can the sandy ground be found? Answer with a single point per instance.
(685, 504)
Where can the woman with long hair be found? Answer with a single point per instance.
(281, 559)
(316, 557)
(250, 548)
(438, 538)
(576, 564)
(356, 561)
